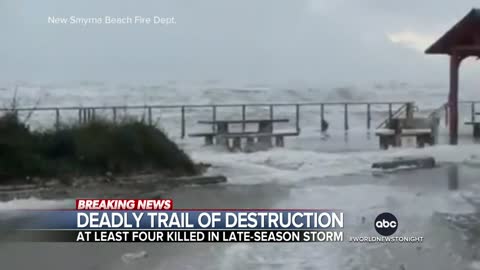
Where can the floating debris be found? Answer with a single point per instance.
(405, 163)
(131, 257)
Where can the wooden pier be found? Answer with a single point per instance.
(149, 112)
(188, 115)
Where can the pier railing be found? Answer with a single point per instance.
(89, 113)
(473, 104)
(402, 109)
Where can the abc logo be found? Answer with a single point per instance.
(386, 224)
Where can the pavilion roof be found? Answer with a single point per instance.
(463, 37)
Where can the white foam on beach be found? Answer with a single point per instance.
(288, 166)
(34, 204)
(279, 256)
(413, 207)
(413, 210)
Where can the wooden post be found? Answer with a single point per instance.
(114, 114)
(409, 111)
(237, 143)
(244, 110)
(183, 122)
(369, 116)
(446, 115)
(89, 115)
(208, 140)
(383, 142)
(473, 111)
(390, 113)
(250, 144)
(214, 117)
(150, 121)
(265, 127)
(271, 112)
(322, 113)
(476, 131)
(297, 108)
(57, 119)
(80, 116)
(279, 142)
(346, 116)
(323, 127)
(222, 129)
(453, 98)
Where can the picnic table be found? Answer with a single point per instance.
(223, 133)
(264, 125)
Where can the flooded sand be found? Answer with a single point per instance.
(416, 197)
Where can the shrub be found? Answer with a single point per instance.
(88, 149)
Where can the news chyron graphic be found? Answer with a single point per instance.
(135, 220)
(386, 224)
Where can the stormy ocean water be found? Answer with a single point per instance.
(314, 170)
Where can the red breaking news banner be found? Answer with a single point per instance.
(124, 204)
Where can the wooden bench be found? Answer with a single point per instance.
(265, 139)
(476, 128)
(207, 135)
(388, 137)
(424, 129)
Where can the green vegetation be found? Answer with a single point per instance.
(90, 149)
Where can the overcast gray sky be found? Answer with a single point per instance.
(325, 41)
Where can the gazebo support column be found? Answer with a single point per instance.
(460, 42)
(455, 61)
